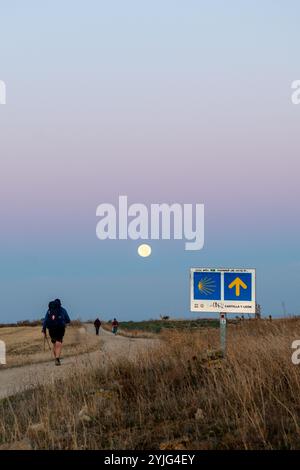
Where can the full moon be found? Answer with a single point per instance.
(144, 250)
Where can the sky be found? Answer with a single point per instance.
(186, 102)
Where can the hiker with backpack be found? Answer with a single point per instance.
(115, 325)
(97, 324)
(55, 321)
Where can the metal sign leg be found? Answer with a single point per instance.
(223, 333)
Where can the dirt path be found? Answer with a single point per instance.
(16, 379)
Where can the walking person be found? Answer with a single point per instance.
(115, 325)
(55, 321)
(97, 324)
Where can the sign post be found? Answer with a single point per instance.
(222, 291)
(223, 322)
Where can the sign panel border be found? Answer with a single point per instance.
(241, 307)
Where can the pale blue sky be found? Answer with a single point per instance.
(164, 101)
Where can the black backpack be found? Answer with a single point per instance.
(55, 316)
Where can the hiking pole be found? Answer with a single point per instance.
(48, 344)
(46, 338)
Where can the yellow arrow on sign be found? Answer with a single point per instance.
(237, 283)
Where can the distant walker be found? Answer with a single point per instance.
(115, 326)
(97, 324)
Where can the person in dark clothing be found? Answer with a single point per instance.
(97, 324)
(55, 321)
(115, 325)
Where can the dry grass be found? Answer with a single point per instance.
(182, 396)
(129, 333)
(25, 345)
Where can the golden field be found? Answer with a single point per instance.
(182, 395)
(25, 344)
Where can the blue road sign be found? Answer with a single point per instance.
(207, 285)
(238, 286)
(226, 290)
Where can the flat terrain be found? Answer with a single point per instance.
(82, 350)
(172, 390)
(156, 326)
(25, 345)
